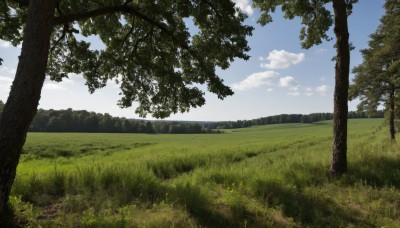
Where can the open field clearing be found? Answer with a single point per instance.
(267, 176)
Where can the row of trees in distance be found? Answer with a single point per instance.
(83, 121)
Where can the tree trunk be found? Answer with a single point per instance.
(340, 112)
(391, 115)
(24, 97)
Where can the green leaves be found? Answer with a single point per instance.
(148, 48)
(315, 18)
(12, 19)
(379, 74)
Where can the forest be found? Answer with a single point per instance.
(83, 121)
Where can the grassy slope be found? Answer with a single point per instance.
(265, 176)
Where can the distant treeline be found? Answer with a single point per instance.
(292, 118)
(84, 121)
(1, 106)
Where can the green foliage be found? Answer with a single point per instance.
(1, 106)
(316, 19)
(379, 75)
(147, 47)
(84, 121)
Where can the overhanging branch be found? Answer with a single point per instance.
(126, 9)
(135, 11)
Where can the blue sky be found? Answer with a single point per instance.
(280, 76)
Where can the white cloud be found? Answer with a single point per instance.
(255, 80)
(5, 44)
(292, 84)
(293, 94)
(309, 91)
(53, 86)
(321, 51)
(72, 78)
(244, 6)
(5, 84)
(7, 70)
(322, 90)
(288, 81)
(270, 90)
(281, 59)
(5, 79)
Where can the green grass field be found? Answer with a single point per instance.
(267, 176)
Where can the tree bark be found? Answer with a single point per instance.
(340, 112)
(391, 115)
(24, 97)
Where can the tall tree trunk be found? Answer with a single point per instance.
(24, 97)
(391, 114)
(340, 112)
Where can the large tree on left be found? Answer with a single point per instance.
(148, 48)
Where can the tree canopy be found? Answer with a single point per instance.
(1, 106)
(148, 48)
(377, 79)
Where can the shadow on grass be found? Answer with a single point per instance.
(308, 210)
(377, 171)
(199, 206)
(374, 171)
(7, 219)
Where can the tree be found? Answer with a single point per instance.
(317, 19)
(147, 48)
(377, 79)
(149, 128)
(1, 106)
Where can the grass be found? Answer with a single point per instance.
(267, 176)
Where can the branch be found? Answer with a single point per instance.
(21, 3)
(134, 11)
(64, 33)
(212, 7)
(127, 35)
(130, 10)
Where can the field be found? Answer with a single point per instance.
(267, 176)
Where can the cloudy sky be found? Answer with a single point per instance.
(280, 76)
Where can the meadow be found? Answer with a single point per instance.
(265, 176)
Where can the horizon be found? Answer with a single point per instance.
(279, 78)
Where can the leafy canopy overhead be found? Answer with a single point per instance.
(379, 74)
(148, 47)
(316, 18)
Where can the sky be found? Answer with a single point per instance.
(279, 78)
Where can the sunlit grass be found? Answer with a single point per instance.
(265, 176)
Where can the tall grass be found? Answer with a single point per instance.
(272, 176)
